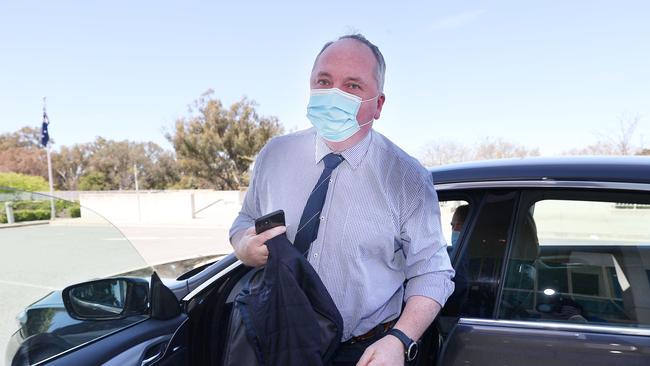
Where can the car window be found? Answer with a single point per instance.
(581, 259)
(40, 258)
(479, 262)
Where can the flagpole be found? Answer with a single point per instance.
(49, 173)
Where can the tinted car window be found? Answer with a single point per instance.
(581, 259)
(478, 267)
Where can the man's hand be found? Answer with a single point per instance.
(251, 249)
(387, 351)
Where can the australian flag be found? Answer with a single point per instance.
(45, 136)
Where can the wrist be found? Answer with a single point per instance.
(410, 347)
(395, 341)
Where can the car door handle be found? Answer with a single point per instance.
(153, 353)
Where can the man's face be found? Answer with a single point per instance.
(350, 65)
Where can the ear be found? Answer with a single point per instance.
(380, 104)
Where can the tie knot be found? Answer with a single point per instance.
(332, 160)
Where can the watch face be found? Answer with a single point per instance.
(412, 352)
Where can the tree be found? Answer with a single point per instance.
(447, 152)
(215, 146)
(30, 161)
(115, 161)
(70, 164)
(444, 152)
(500, 149)
(620, 142)
(93, 181)
(20, 152)
(27, 137)
(23, 182)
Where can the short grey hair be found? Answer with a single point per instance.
(381, 64)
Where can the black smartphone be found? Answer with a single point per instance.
(269, 221)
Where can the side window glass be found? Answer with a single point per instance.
(580, 261)
(478, 267)
(453, 215)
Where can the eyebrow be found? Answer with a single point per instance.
(355, 79)
(349, 78)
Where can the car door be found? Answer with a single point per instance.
(41, 257)
(575, 288)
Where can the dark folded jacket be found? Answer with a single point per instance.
(288, 316)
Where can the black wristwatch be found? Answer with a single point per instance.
(410, 345)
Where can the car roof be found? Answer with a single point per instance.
(629, 169)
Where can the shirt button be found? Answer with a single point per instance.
(322, 218)
(315, 255)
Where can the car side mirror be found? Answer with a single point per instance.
(107, 299)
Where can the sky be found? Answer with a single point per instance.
(553, 75)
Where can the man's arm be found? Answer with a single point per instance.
(418, 314)
(248, 246)
(429, 275)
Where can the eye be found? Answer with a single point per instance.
(322, 82)
(354, 86)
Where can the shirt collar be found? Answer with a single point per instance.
(353, 155)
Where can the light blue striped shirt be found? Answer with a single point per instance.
(380, 223)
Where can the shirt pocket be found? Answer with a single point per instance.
(370, 235)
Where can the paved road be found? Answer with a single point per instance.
(38, 259)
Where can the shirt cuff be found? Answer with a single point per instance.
(436, 286)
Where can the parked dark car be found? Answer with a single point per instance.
(553, 268)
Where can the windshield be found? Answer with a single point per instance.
(42, 256)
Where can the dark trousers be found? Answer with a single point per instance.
(349, 354)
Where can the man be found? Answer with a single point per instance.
(457, 222)
(380, 222)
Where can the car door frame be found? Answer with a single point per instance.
(466, 328)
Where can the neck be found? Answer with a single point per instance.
(353, 140)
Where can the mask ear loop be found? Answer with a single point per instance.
(375, 97)
(373, 118)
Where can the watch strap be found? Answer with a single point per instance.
(410, 346)
(401, 336)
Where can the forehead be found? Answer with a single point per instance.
(347, 58)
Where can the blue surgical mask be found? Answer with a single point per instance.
(334, 113)
(454, 237)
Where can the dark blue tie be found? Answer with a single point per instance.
(310, 220)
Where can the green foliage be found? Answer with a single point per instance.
(69, 164)
(75, 211)
(215, 145)
(40, 210)
(31, 205)
(93, 181)
(23, 182)
(31, 215)
(109, 165)
(26, 137)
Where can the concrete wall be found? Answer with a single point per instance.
(163, 207)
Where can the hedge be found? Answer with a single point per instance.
(40, 210)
